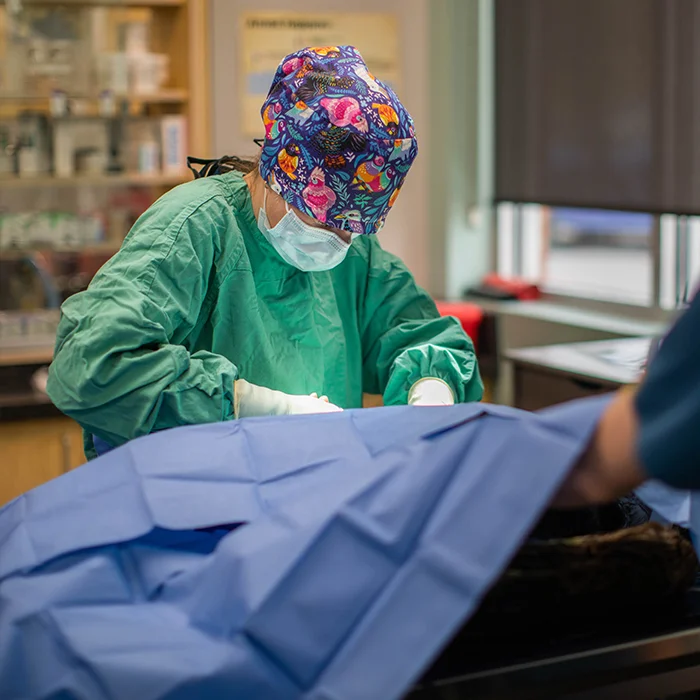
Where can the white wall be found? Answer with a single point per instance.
(407, 231)
(462, 154)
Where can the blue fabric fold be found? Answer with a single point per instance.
(101, 446)
(316, 557)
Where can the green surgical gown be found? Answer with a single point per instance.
(197, 298)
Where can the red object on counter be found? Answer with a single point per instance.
(469, 315)
(520, 289)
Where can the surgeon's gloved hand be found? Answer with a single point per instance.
(311, 404)
(251, 400)
(430, 392)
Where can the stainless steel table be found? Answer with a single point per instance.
(652, 655)
(548, 375)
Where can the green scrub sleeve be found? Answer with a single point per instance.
(406, 339)
(121, 369)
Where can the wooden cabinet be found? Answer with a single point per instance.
(538, 389)
(82, 157)
(553, 374)
(33, 452)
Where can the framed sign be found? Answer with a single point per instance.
(266, 37)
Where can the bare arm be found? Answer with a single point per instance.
(610, 466)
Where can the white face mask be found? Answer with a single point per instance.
(305, 247)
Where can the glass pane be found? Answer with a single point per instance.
(680, 260)
(669, 263)
(533, 252)
(694, 254)
(505, 225)
(599, 254)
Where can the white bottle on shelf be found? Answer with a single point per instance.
(63, 149)
(29, 158)
(40, 235)
(149, 157)
(174, 143)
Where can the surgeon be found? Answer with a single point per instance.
(262, 289)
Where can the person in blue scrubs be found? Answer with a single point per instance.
(649, 432)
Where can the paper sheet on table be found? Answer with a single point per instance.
(319, 557)
(631, 354)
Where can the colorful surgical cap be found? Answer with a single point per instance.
(338, 142)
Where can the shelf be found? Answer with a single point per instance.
(38, 355)
(29, 398)
(117, 180)
(107, 3)
(89, 248)
(165, 96)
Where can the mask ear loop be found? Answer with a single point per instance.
(264, 204)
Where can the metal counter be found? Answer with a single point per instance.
(648, 657)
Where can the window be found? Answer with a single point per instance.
(622, 257)
(602, 254)
(679, 259)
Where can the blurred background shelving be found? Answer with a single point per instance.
(100, 103)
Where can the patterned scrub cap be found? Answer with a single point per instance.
(338, 142)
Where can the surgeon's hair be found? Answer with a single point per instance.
(225, 164)
(241, 165)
